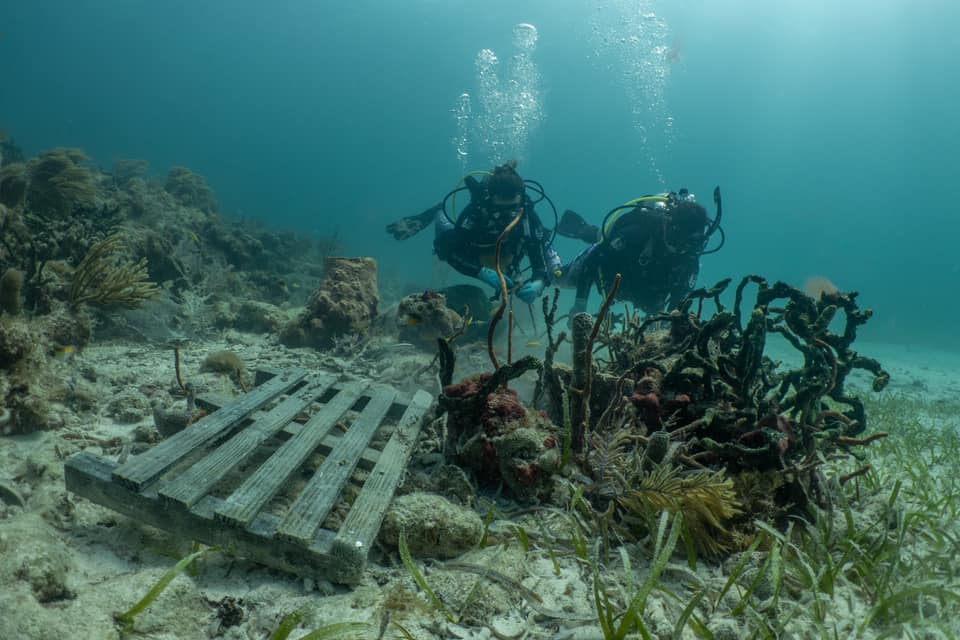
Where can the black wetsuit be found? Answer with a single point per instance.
(652, 274)
(470, 244)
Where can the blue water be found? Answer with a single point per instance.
(831, 126)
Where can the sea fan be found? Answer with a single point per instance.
(705, 498)
(609, 457)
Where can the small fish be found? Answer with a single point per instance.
(413, 320)
(534, 343)
(64, 352)
(194, 237)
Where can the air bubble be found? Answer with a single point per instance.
(634, 39)
(525, 36)
(507, 107)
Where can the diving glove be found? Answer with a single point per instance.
(489, 276)
(530, 291)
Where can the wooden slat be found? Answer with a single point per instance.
(89, 476)
(360, 527)
(321, 493)
(367, 459)
(145, 468)
(191, 485)
(244, 504)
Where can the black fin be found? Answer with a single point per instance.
(572, 225)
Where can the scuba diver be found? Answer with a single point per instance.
(469, 243)
(654, 242)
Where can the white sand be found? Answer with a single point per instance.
(88, 563)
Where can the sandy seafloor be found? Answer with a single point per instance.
(68, 565)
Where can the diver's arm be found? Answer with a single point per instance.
(453, 247)
(535, 245)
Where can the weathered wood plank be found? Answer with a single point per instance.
(89, 476)
(360, 527)
(367, 459)
(244, 504)
(193, 483)
(321, 493)
(148, 466)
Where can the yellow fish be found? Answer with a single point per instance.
(64, 352)
(534, 343)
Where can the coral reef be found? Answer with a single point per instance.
(240, 248)
(344, 304)
(190, 190)
(255, 317)
(11, 291)
(127, 169)
(13, 184)
(16, 340)
(58, 182)
(27, 386)
(424, 317)
(10, 152)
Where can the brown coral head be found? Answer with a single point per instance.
(647, 384)
(648, 408)
(466, 388)
(527, 474)
(500, 408)
(678, 404)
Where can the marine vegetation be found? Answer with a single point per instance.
(684, 413)
(190, 189)
(103, 277)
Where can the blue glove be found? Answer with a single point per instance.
(530, 291)
(489, 276)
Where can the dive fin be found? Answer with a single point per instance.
(572, 225)
(410, 226)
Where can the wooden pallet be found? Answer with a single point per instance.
(237, 477)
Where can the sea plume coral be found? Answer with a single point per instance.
(706, 499)
(105, 278)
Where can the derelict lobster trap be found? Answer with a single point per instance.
(297, 474)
